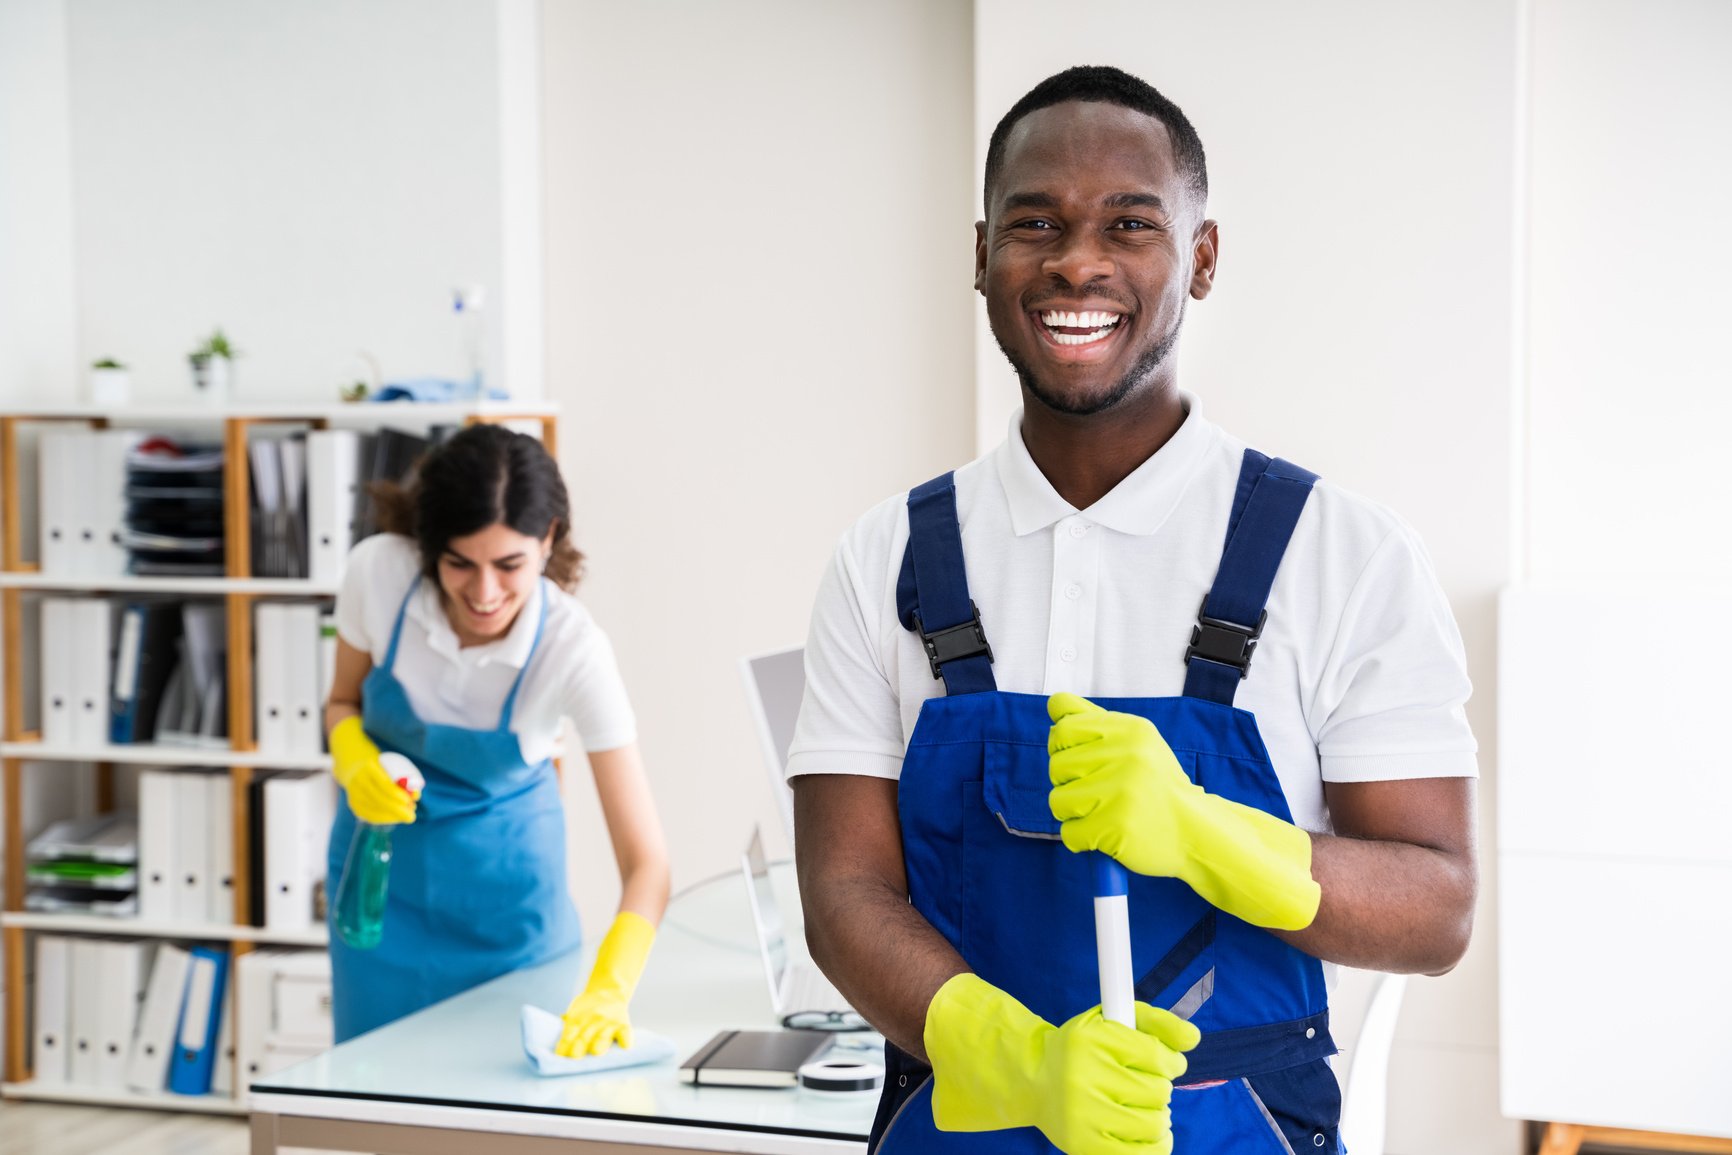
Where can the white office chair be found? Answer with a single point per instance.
(1365, 1096)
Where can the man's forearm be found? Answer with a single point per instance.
(862, 931)
(881, 953)
(1389, 906)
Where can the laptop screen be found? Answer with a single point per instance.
(767, 914)
(776, 682)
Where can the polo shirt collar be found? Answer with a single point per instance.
(514, 649)
(1138, 505)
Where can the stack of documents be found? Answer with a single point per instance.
(388, 455)
(291, 826)
(174, 508)
(170, 680)
(76, 655)
(81, 475)
(119, 1015)
(186, 847)
(279, 523)
(85, 866)
(294, 642)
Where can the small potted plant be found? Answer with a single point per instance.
(110, 383)
(212, 363)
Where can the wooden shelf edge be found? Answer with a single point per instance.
(212, 1104)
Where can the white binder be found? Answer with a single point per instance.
(222, 1071)
(333, 464)
(59, 659)
(105, 556)
(158, 900)
(270, 678)
(220, 868)
(53, 1007)
(153, 1043)
(192, 847)
(253, 973)
(56, 490)
(83, 1067)
(305, 710)
(297, 822)
(93, 634)
(117, 1007)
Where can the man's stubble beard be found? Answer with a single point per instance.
(1140, 371)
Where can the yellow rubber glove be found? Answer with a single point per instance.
(1091, 1086)
(1118, 788)
(355, 765)
(597, 1018)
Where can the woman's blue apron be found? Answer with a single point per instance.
(477, 880)
(987, 869)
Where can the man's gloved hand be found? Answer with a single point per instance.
(597, 1018)
(1117, 788)
(372, 795)
(1092, 1087)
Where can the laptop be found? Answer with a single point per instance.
(775, 683)
(796, 985)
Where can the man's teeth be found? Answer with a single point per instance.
(1098, 324)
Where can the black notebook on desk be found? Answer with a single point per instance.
(753, 1058)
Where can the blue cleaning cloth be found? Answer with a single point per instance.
(541, 1033)
(432, 389)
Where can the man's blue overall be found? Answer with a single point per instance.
(987, 869)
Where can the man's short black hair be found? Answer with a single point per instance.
(1100, 84)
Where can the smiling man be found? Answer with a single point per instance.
(1123, 631)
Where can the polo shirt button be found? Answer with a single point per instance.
(1077, 529)
(1068, 653)
(1073, 591)
(1310, 1032)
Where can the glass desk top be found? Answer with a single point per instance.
(705, 974)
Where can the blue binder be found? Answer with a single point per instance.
(195, 1034)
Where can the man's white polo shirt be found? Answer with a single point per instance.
(1359, 676)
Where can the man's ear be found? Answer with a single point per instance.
(980, 256)
(1205, 252)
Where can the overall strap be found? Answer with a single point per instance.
(535, 644)
(932, 592)
(1266, 506)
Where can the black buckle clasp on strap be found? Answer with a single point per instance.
(952, 643)
(1225, 642)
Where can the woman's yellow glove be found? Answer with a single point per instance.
(596, 1018)
(372, 795)
(1092, 1087)
(1117, 788)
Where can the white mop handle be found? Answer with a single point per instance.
(1113, 942)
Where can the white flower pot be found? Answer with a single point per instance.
(211, 377)
(110, 387)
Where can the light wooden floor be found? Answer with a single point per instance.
(53, 1129)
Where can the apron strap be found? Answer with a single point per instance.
(535, 644)
(1271, 495)
(397, 629)
(932, 592)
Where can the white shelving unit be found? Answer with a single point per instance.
(239, 591)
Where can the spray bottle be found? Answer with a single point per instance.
(367, 869)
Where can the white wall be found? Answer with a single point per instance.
(37, 306)
(759, 253)
(312, 177)
(1628, 294)
(1361, 167)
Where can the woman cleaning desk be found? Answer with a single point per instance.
(461, 647)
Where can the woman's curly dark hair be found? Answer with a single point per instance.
(484, 475)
